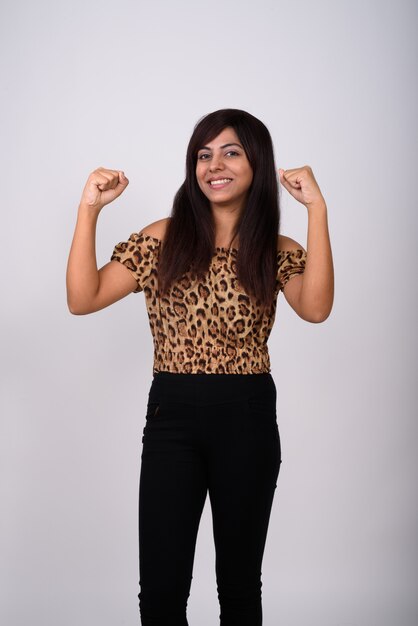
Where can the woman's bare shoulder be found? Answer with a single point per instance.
(287, 243)
(157, 229)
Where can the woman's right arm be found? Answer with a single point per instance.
(90, 289)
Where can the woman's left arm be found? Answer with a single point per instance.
(313, 296)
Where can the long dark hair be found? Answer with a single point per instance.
(189, 242)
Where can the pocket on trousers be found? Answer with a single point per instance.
(153, 410)
(263, 412)
(263, 417)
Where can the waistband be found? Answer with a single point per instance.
(206, 389)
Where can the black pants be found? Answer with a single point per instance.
(213, 433)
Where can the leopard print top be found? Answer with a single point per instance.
(209, 326)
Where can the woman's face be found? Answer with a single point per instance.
(223, 171)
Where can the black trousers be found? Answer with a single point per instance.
(216, 434)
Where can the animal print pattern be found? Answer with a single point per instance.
(209, 326)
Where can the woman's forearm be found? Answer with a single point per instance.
(82, 276)
(317, 294)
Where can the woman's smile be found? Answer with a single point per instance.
(219, 183)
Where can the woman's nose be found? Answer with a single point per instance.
(216, 163)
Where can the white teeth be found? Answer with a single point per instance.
(220, 182)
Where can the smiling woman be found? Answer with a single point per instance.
(229, 198)
(211, 274)
(224, 175)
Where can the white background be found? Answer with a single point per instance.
(121, 85)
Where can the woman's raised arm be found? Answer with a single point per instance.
(311, 295)
(90, 289)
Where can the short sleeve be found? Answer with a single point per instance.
(291, 262)
(137, 254)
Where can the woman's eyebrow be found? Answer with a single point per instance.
(226, 145)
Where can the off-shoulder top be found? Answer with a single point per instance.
(205, 326)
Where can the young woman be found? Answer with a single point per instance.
(211, 274)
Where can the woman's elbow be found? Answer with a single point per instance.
(319, 315)
(314, 313)
(318, 319)
(75, 309)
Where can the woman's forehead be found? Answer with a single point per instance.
(227, 135)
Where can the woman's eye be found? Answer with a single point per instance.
(206, 155)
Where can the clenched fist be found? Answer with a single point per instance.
(301, 184)
(102, 187)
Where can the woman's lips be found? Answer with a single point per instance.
(220, 185)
